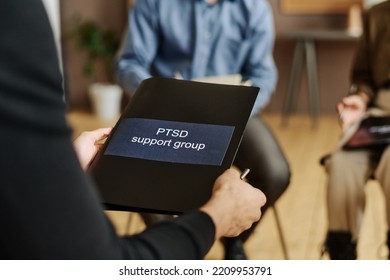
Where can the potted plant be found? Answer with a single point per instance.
(101, 47)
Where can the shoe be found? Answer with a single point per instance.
(234, 249)
(340, 246)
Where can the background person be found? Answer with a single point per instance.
(201, 38)
(348, 171)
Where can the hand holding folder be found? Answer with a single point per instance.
(171, 143)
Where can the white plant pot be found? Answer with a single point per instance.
(106, 100)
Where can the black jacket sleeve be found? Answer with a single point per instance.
(49, 208)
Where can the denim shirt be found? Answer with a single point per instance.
(194, 39)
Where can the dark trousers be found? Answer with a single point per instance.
(270, 172)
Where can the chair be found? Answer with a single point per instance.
(273, 209)
(280, 232)
(378, 227)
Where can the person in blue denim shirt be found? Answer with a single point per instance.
(202, 38)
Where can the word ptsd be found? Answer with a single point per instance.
(172, 133)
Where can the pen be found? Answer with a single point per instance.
(244, 173)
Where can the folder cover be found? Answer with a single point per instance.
(172, 141)
(373, 131)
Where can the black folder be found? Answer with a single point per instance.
(172, 141)
(373, 132)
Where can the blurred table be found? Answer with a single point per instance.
(305, 49)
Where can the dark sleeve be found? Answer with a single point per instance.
(49, 208)
(177, 235)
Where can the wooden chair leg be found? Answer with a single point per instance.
(280, 231)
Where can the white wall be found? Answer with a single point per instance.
(369, 3)
(53, 10)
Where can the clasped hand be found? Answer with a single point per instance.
(351, 109)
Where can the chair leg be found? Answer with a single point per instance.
(280, 231)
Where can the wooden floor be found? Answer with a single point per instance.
(301, 209)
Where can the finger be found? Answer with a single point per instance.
(100, 135)
(100, 132)
(340, 107)
(100, 141)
